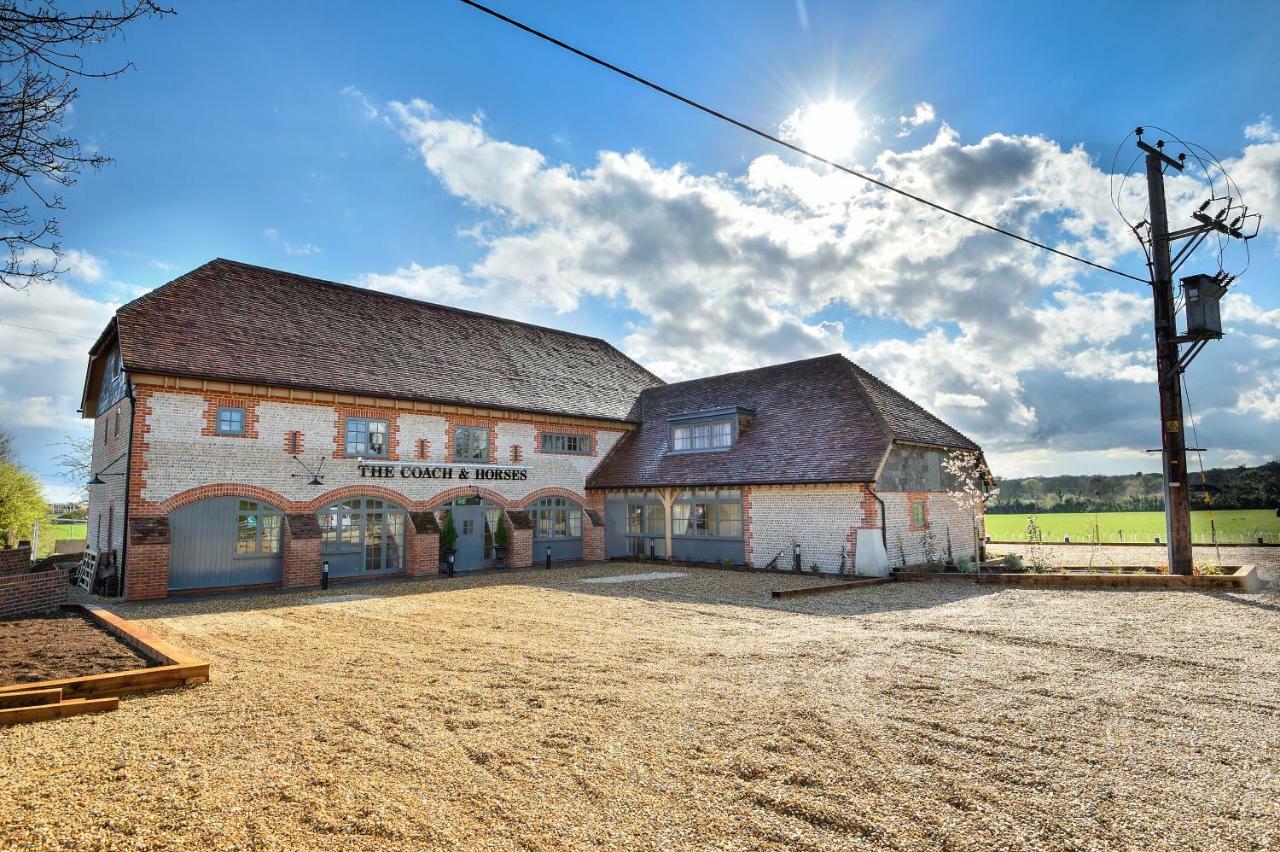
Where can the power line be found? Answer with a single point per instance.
(6, 323)
(799, 150)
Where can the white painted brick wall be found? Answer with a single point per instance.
(944, 517)
(179, 457)
(819, 517)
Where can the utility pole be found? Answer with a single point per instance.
(1177, 499)
(1203, 324)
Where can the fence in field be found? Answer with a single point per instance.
(1139, 537)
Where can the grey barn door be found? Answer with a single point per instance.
(225, 541)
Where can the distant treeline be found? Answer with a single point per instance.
(1229, 488)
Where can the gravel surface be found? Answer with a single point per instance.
(49, 647)
(532, 710)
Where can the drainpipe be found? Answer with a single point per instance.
(884, 529)
(128, 484)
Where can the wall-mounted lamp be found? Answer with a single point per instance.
(317, 478)
(97, 477)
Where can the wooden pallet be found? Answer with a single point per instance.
(88, 568)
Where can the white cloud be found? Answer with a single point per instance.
(730, 272)
(1262, 130)
(923, 114)
(362, 104)
(290, 248)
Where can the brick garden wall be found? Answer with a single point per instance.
(23, 591)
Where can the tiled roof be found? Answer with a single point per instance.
(820, 420)
(236, 322)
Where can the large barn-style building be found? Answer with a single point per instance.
(252, 426)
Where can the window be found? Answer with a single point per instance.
(366, 438)
(471, 443)
(557, 442)
(715, 435)
(728, 520)
(918, 517)
(556, 517)
(257, 529)
(230, 421)
(691, 519)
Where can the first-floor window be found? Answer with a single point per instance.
(366, 438)
(471, 443)
(917, 513)
(230, 421)
(560, 442)
(257, 529)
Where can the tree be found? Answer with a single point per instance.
(7, 453)
(21, 503)
(39, 64)
(75, 463)
(968, 487)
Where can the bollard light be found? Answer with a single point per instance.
(548, 557)
(449, 562)
(324, 574)
(795, 556)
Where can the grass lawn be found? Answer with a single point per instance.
(535, 710)
(1232, 524)
(51, 532)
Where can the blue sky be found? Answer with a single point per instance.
(527, 182)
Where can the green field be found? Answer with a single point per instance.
(51, 532)
(1233, 525)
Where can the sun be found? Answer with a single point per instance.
(830, 128)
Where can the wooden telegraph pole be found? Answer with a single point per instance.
(1177, 500)
(1203, 323)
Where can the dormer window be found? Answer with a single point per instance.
(705, 431)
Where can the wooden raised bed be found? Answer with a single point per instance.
(99, 692)
(830, 587)
(1242, 579)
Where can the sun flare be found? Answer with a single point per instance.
(830, 128)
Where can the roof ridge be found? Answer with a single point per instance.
(749, 370)
(864, 375)
(397, 296)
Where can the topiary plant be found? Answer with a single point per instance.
(448, 534)
(500, 534)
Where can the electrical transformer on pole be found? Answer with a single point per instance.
(1201, 294)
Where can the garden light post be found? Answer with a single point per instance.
(548, 557)
(324, 574)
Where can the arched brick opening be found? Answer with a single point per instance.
(224, 489)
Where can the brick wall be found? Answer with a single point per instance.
(106, 530)
(301, 551)
(823, 519)
(15, 560)
(945, 521)
(520, 540)
(147, 574)
(28, 592)
(593, 543)
(424, 545)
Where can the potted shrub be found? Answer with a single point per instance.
(500, 541)
(448, 538)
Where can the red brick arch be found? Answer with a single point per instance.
(553, 491)
(470, 491)
(347, 492)
(223, 489)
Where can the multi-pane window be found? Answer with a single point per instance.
(556, 517)
(366, 438)
(558, 442)
(714, 435)
(917, 513)
(257, 529)
(230, 421)
(728, 519)
(692, 519)
(471, 443)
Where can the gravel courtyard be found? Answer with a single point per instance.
(535, 710)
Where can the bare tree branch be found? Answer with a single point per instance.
(40, 57)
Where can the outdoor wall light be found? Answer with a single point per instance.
(315, 474)
(97, 477)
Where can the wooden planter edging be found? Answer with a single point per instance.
(177, 667)
(829, 587)
(1243, 579)
(1136, 543)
